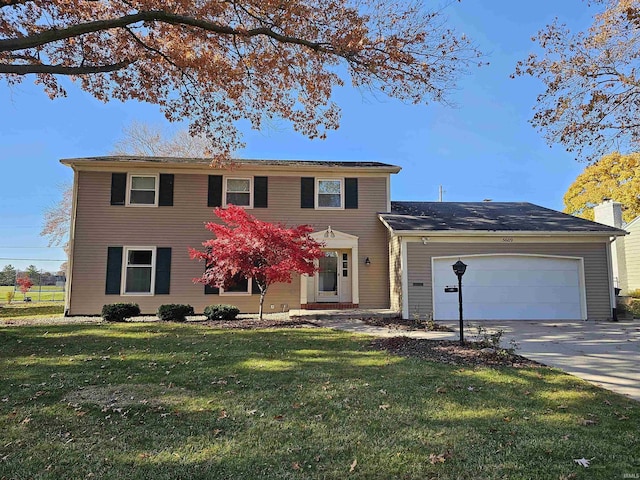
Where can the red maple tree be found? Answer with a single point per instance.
(24, 283)
(245, 247)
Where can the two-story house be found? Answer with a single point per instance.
(134, 219)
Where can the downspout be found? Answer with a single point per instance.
(612, 293)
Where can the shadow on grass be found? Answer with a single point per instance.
(183, 401)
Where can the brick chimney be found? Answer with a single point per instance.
(609, 213)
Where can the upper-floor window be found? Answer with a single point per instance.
(238, 191)
(143, 190)
(330, 193)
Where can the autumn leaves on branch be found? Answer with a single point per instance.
(218, 62)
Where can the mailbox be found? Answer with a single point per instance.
(450, 289)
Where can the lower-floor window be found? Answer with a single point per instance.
(239, 286)
(138, 270)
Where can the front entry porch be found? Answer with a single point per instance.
(335, 284)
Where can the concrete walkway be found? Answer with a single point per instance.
(604, 353)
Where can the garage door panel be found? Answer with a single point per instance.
(505, 279)
(510, 288)
(512, 294)
(492, 311)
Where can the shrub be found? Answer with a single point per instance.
(634, 293)
(117, 312)
(634, 308)
(221, 312)
(174, 312)
(10, 296)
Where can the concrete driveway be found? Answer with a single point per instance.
(604, 353)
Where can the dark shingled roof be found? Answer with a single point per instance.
(487, 216)
(239, 161)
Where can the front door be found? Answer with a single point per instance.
(328, 277)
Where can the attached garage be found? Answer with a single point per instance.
(524, 262)
(511, 287)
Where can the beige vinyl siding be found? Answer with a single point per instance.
(395, 272)
(100, 225)
(632, 257)
(595, 269)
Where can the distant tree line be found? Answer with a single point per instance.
(38, 277)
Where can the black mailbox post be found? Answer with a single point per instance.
(459, 268)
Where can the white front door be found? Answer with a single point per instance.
(328, 277)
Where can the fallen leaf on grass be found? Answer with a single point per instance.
(441, 390)
(583, 462)
(353, 465)
(384, 406)
(223, 414)
(279, 417)
(439, 458)
(586, 422)
(295, 466)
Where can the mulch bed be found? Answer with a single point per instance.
(405, 324)
(451, 352)
(255, 324)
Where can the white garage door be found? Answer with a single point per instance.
(511, 287)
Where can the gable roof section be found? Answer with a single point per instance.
(486, 217)
(134, 160)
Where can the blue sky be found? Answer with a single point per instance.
(483, 147)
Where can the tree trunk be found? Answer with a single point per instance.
(263, 292)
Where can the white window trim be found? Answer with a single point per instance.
(248, 293)
(123, 282)
(224, 191)
(317, 193)
(157, 189)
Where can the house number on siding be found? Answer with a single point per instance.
(507, 239)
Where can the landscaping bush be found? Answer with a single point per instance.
(634, 308)
(634, 293)
(221, 312)
(117, 312)
(174, 312)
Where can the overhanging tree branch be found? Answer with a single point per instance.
(54, 35)
(25, 69)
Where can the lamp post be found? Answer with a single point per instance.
(459, 268)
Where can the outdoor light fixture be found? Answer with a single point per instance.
(367, 262)
(459, 268)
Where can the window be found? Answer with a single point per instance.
(238, 192)
(240, 286)
(143, 190)
(329, 193)
(139, 266)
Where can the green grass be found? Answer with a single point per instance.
(49, 293)
(31, 310)
(167, 401)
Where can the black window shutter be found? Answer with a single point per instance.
(118, 188)
(114, 271)
(163, 270)
(307, 186)
(255, 289)
(166, 190)
(215, 191)
(260, 192)
(350, 193)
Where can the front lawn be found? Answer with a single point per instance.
(168, 401)
(31, 310)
